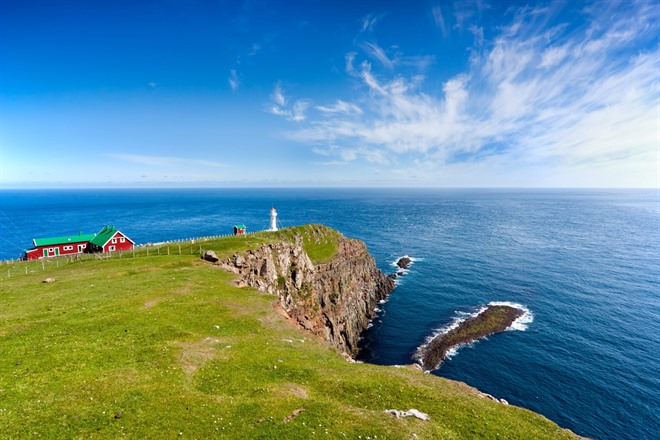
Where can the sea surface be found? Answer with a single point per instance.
(585, 263)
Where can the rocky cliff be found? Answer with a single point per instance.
(334, 299)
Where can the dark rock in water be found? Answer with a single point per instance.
(404, 262)
(210, 256)
(494, 319)
(393, 276)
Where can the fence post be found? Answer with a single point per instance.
(43, 267)
(147, 251)
(179, 249)
(168, 250)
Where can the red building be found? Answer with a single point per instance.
(109, 239)
(239, 229)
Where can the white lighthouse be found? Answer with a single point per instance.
(273, 219)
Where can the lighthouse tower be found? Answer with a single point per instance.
(273, 219)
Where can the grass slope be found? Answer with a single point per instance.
(164, 347)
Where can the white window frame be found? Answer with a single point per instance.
(114, 240)
(68, 248)
(122, 240)
(111, 249)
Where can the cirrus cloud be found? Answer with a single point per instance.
(536, 100)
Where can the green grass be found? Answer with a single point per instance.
(181, 352)
(319, 242)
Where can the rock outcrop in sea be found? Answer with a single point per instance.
(335, 300)
(491, 319)
(404, 262)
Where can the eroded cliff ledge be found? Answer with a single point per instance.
(333, 299)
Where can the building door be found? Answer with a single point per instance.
(57, 251)
(45, 252)
(80, 248)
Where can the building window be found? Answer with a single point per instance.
(111, 248)
(122, 240)
(50, 249)
(68, 248)
(114, 240)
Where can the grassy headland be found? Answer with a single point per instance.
(164, 346)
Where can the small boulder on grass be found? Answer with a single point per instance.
(210, 256)
(410, 413)
(48, 280)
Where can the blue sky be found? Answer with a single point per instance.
(469, 93)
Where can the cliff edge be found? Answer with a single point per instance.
(335, 299)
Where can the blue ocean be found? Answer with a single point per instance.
(585, 263)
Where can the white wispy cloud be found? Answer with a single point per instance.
(439, 19)
(350, 58)
(377, 52)
(537, 102)
(162, 161)
(279, 106)
(464, 10)
(278, 96)
(345, 156)
(340, 106)
(233, 80)
(299, 109)
(256, 47)
(369, 22)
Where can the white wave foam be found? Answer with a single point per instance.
(453, 351)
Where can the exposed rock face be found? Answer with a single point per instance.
(335, 300)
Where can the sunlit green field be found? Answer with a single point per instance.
(164, 346)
